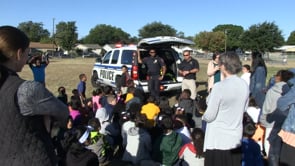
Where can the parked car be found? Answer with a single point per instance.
(90, 55)
(107, 71)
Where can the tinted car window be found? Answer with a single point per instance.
(127, 57)
(115, 57)
(106, 58)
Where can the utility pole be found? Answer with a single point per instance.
(225, 36)
(53, 37)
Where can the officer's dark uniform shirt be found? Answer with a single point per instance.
(154, 65)
(189, 65)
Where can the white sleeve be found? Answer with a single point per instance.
(213, 104)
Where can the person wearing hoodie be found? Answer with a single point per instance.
(98, 143)
(139, 146)
(103, 117)
(167, 145)
(78, 154)
(286, 105)
(270, 103)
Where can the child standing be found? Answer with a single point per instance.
(124, 78)
(246, 73)
(81, 87)
(38, 68)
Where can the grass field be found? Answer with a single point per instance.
(65, 72)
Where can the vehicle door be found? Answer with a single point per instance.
(105, 71)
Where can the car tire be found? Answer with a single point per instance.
(118, 81)
(94, 80)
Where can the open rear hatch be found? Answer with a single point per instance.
(162, 45)
(163, 41)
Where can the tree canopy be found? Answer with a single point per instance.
(157, 29)
(232, 33)
(66, 35)
(259, 37)
(262, 37)
(210, 41)
(34, 31)
(291, 39)
(104, 34)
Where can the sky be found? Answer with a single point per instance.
(188, 16)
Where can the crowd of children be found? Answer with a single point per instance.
(141, 130)
(133, 128)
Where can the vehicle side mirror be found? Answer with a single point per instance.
(98, 60)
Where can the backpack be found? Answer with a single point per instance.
(104, 151)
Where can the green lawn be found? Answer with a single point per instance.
(65, 72)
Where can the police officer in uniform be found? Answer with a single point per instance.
(154, 64)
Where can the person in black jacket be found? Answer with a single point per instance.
(27, 107)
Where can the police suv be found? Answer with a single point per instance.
(107, 70)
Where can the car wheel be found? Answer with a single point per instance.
(94, 80)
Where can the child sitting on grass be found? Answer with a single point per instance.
(251, 152)
(98, 143)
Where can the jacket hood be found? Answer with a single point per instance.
(291, 82)
(133, 131)
(278, 87)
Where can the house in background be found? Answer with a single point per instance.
(287, 51)
(89, 49)
(41, 47)
(286, 48)
(108, 47)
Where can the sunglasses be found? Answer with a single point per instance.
(152, 52)
(186, 55)
(180, 109)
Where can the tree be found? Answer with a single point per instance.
(34, 31)
(66, 35)
(210, 41)
(232, 33)
(180, 34)
(104, 34)
(262, 37)
(291, 39)
(156, 29)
